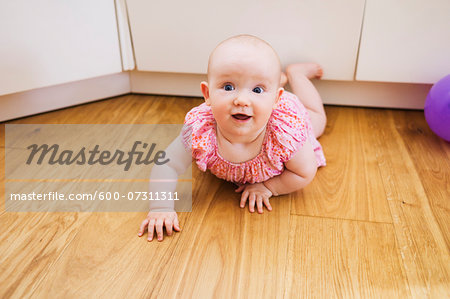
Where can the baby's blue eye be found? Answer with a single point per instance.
(258, 90)
(228, 87)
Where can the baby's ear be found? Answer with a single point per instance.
(205, 91)
(279, 93)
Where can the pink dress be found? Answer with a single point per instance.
(287, 130)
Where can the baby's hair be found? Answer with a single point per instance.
(245, 38)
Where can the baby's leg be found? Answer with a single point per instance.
(298, 76)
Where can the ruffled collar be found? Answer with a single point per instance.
(213, 138)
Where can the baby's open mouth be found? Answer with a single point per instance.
(241, 116)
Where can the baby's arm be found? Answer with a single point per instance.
(162, 212)
(300, 171)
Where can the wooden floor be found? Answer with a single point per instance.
(374, 223)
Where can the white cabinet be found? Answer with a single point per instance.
(405, 41)
(178, 36)
(49, 42)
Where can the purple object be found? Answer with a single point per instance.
(437, 108)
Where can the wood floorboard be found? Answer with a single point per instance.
(420, 241)
(85, 268)
(167, 285)
(350, 186)
(218, 241)
(268, 235)
(373, 223)
(333, 258)
(2, 178)
(222, 262)
(446, 146)
(431, 163)
(31, 244)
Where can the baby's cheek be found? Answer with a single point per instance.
(264, 112)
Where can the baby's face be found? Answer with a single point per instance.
(243, 87)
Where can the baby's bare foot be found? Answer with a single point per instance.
(310, 70)
(283, 80)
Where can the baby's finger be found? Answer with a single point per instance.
(176, 224)
(169, 225)
(251, 202)
(267, 203)
(160, 229)
(240, 188)
(259, 204)
(244, 198)
(151, 229)
(142, 228)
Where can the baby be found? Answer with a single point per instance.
(249, 130)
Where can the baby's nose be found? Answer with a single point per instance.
(242, 100)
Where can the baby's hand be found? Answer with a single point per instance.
(255, 193)
(157, 220)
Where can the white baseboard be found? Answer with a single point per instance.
(373, 94)
(177, 84)
(64, 95)
(348, 93)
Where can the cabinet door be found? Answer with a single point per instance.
(178, 36)
(48, 42)
(405, 41)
